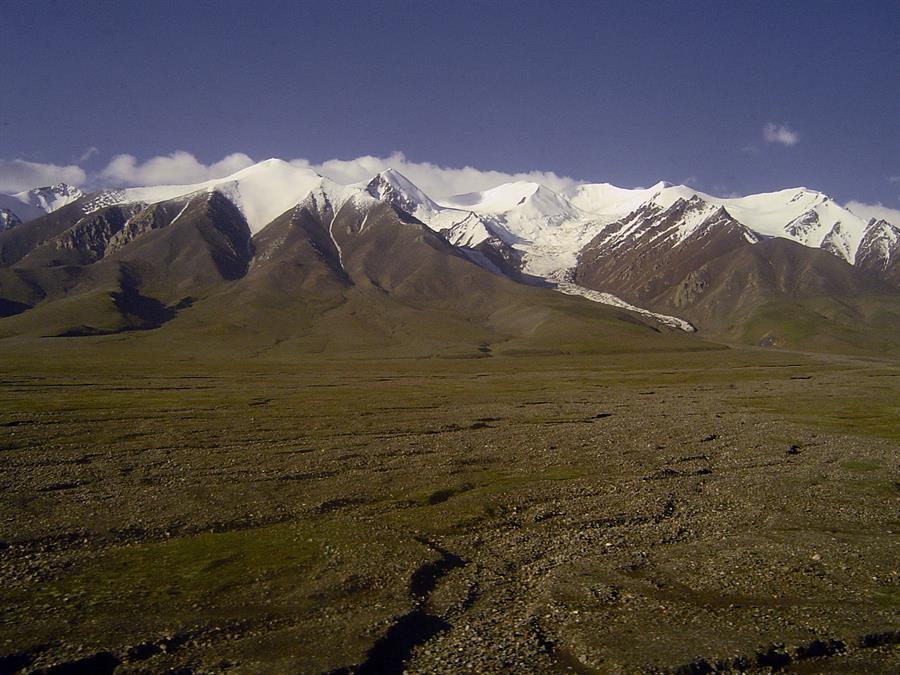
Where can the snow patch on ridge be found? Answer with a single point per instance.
(569, 288)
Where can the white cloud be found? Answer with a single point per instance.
(182, 168)
(773, 133)
(877, 211)
(179, 168)
(17, 175)
(436, 181)
(893, 179)
(87, 154)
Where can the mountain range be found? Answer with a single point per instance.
(278, 253)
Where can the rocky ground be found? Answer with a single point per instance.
(677, 513)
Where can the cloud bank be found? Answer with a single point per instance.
(182, 167)
(773, 133)
(437, 181)
(17, 175)
(179, 168)
(877, 211)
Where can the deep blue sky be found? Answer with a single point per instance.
(628, 92)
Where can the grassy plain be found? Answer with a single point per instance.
(593, 511)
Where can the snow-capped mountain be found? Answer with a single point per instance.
(50, 198)
(394, 187)
(460, 226)
(8, 218)
(549, 229)
(668, 252)
(543, 230)
(802, 215)
(879, 250)
(261, 192)
(531, 218)
(608, 202)
(539, 228)
(659, 250)
(24, 206)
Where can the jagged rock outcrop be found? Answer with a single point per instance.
(879, 251)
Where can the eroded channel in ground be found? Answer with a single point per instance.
(567, 518)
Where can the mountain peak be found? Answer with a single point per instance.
(394, 187)
(391, 173)
(393, 177)
(44, 199)
(8, 219)
(501, 198)
(261, 192)
(271, 166)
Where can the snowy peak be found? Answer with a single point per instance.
(839, 242)
(468, 232)
(495, 200)
(51, 197)
(546, 228)
(8, 219)
(806, 216)
(608, 202)
(879, 250)
(328, 197)
(261, 192)
(30, 204)
(546, 203)
(396, 189)
(264, 191)
(668, 223)
(522, 197)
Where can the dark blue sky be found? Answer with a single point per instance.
(628, 92)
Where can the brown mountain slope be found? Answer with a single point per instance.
(642, 267)
(327, 275)
(21, 240)
(361, 276)
(134, 275)
(207, 244)
(774, 292)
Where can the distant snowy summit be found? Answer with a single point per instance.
(762, 269)
(31, 204)
(526, 225)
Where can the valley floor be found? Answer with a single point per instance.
(634, 513)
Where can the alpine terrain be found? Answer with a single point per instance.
(272, 423)
(786, 269)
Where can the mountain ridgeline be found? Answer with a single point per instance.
(277, 257)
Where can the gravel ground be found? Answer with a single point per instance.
(523, 515)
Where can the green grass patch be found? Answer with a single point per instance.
(861, 465)
(857, 407)
(887, 598)
(477, 499)
(171, 577)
